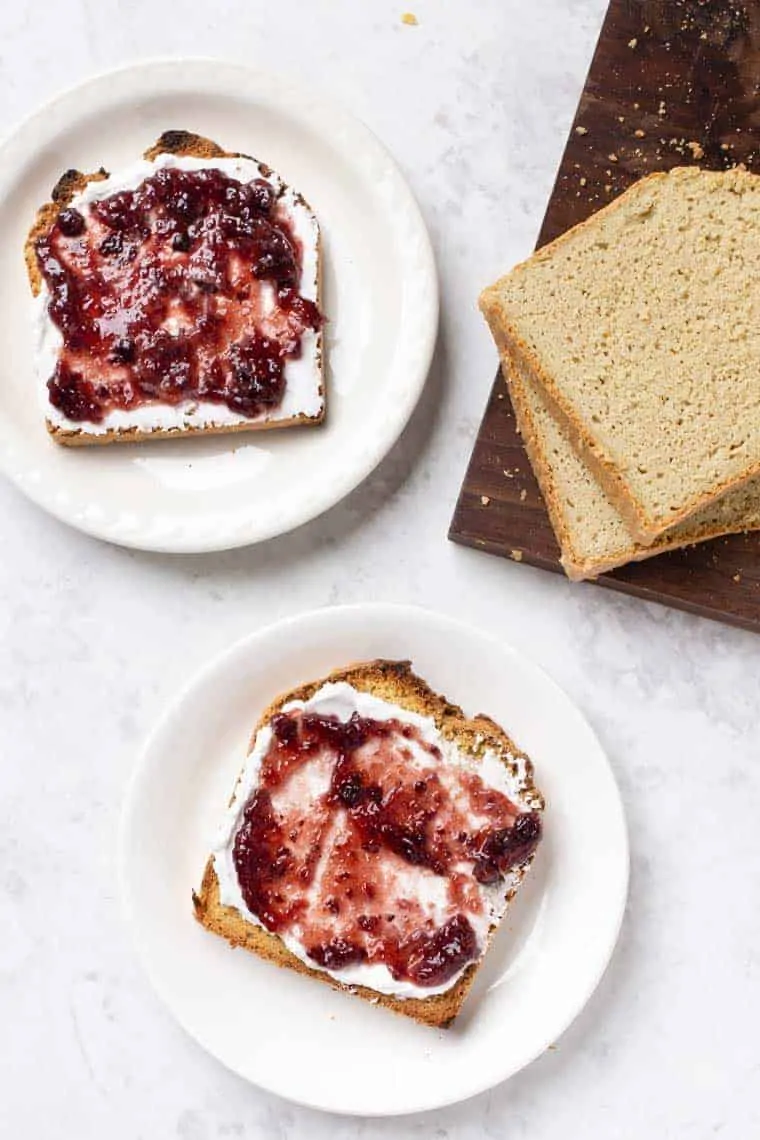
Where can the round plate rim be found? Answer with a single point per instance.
(154, 73)
(202, 675)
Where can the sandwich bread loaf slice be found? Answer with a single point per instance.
(590, 530)
(642, 328)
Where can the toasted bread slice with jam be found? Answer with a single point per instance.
(299, 394)
(478, 743)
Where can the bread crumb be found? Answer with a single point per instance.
(581, 131)
(409, 19)
(608, 188)
(724, 146)
(640, 134)
(635, 106)
(509, 474)
(737, 577)
(612, 157)
(583, 181)
(516, 555)
(632, 43)
(523, 495)
(696, 150)
(485, 500)
(621, 118)
(662, 109)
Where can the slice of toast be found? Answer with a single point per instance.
(592, 534)
(641, 328)
(198, 417)
(395, 683)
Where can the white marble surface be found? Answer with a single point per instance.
(475, 102)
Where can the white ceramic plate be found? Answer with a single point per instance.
(301, 1039)
(380, 296)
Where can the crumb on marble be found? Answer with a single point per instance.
(409, 19)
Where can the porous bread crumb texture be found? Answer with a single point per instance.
(590, 530)
(395, 682)
(642, 326)
(73, 182)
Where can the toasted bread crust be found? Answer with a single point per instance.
(392, 681)
(73, 182)
(644, 529)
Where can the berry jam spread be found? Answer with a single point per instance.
(186, 288)
(361, 844)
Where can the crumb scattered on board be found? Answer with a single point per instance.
(485, 500)
(409, 19)
(737, 577)
(516, 555)
(523, 495)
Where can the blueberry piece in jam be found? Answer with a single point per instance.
(338, 954)
(436, 959)
(70, 223)
(123, 351)
(112, 244)
(257, 369)
(500, 851)
(74, 396)
(181, 241)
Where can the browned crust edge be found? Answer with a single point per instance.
(576, 566)
(72, 182)
(393, 681)
(644, 527)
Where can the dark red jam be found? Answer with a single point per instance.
(184, 289)
(351, 829)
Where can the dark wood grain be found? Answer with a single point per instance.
(671, 84)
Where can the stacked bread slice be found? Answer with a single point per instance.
(631, 348)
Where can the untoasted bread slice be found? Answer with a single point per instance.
(591, 532)
(642, 328)
(394, 682)
(73, 182)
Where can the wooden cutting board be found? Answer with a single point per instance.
(672, 83)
